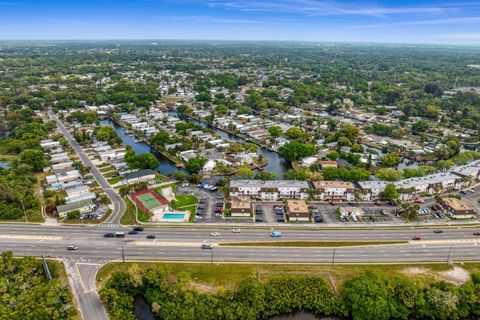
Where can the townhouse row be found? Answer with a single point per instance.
(457, 179)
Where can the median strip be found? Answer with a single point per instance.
(166, 244)
(322, 244)
(29, 237)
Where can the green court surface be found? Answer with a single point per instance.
(149, 201)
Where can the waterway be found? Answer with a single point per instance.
(166, 167)
(276, 163)
(143, 312)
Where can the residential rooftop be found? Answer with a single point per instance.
(268, 184)
(333, 184)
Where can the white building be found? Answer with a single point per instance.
(413, 187)
(372, 190)
(335, 190)
(269, 190)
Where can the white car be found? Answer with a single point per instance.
(236, 230)
(215, 234)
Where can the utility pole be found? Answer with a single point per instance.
(123, 254)
(449, 253)
(211, 261)
(333, 256)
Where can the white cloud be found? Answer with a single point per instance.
(328, 7)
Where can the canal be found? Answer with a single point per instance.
(276, 163)
(166, 167)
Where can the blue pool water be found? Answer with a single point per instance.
(174, 216)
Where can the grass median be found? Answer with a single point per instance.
(322, 244)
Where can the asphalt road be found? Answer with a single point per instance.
(198, 235)
(119, 205)
(103, 250)
(184, 244)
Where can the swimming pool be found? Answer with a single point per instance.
(174, 216)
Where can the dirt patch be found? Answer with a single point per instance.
(457, 275)
(204, 288)
(416, 270)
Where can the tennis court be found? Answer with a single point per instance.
(148, 200)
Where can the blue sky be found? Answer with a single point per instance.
(405, 21)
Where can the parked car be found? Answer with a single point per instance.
(215, 234)
(417, 238)
(343, 219)
(318, 219)
(236, 231)
(109, 235)
(72, 247)
(419, 201)
(275, 234)
(151, 236)
(437, 231)
(207, 246)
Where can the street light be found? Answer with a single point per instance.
(449, 253)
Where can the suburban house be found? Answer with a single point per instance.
(371, 190)
(137, 176)
(240, 208)
(457, 208)
(413, 187)
(81, 206)
(297, 210)
(269, 190)
(335, 190)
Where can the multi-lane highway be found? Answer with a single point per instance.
(184, 244)
(119, 205)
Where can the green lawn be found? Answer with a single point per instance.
(106, 169)
(109, 174)
(115, 180)
(128, 217)
(172, 185)
(183, 201)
